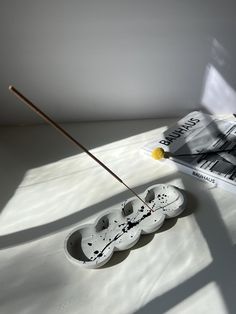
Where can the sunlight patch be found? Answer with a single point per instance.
(206, 300)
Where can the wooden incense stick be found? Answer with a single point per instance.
(72, 139)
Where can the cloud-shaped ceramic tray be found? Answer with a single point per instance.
(92, 245)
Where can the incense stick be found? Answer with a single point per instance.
(72, 139)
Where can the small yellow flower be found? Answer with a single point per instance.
(158, 153)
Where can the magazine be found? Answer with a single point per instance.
(203, 146)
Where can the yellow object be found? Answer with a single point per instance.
(158, 153)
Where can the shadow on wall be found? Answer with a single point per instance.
(218, 96)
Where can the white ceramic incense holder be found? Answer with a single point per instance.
(92, 245)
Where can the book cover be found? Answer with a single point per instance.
(203, 146)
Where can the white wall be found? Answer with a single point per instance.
(111, 59)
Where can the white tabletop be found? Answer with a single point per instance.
(49, 188)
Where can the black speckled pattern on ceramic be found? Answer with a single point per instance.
(92, 245)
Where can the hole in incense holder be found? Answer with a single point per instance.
(128, 209)
(74, 248)
(118, 229)
(102, 224)
(149, 196)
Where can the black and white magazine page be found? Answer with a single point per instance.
(203, 143)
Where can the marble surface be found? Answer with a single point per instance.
(48, 188)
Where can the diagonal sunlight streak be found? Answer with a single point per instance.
(196, 302)
(26, 147)
(77, 173)
(173, 265)
(39, 215)
(221, 268)
(214, 228)
(75, 218)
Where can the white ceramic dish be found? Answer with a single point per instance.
(92, 245)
